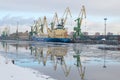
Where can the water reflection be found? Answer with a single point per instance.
(104, 55)
(62, 61)
(104, 65)
(5, 46)
(5, 49)
(79, 65)
(55, 54)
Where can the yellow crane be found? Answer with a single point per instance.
(33, 28)
(64, 18)
(5, 32)
(59, 31)
(38, 27)
(65, 15)
(49, 31)
(55, 19)
(82, 14)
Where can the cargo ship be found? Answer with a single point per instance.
(65, 40)
(57, 33)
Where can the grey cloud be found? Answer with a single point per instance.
(99, 7)
(94, 9)
(9, 20)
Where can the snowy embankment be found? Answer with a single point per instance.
(9, 71)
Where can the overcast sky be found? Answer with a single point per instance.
(25, 11)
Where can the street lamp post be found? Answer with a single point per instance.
(105, 19)
(104, 66)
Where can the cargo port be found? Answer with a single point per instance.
(59, 40)
(56, 31)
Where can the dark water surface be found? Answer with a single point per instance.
(65, 61)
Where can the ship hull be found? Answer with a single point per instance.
(65, 40)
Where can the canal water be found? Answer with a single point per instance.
(65, 61)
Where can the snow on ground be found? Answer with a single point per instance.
(9, 71)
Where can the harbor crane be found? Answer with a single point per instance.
(5, 32)
(49, 31)
(38, 27)
(60, 22)
(78, 33)
(33, 29)
(55, 19)
(64, 17)
(55, 34)
(59, 31)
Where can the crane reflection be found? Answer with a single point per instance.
(55, 54)
(81, 69)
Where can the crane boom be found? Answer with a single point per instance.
(55, 19)
(67, 11)
(45, 22)
(40, 25)
(82, 14)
